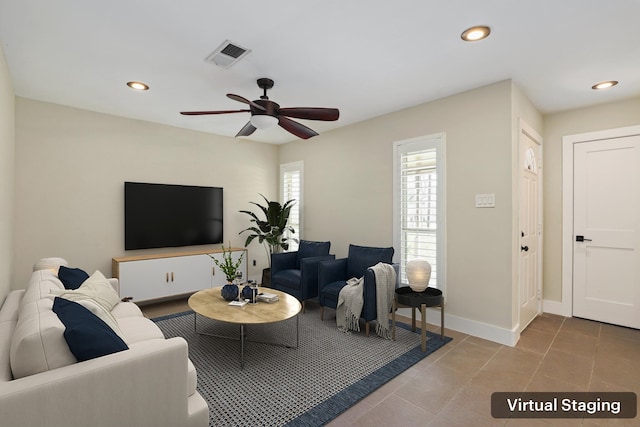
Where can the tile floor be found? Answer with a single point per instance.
(453, 386)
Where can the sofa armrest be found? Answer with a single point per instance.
(331, 271)
(145, 385)
(113, 281)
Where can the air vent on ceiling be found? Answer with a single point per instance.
(227, 54)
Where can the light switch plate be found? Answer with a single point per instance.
(485, 200)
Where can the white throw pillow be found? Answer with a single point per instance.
(96, 288)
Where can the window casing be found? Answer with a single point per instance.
(419, 205)
(291, 186)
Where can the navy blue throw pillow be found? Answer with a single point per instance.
(86, 334)
(71, 278)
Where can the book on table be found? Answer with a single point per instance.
(267, 297)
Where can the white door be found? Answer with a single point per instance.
(530, 229)
(606, 217)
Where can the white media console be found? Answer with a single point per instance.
(156, 276)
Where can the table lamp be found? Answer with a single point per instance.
(418, 273)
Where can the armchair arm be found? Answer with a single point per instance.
(283, 261)
(369, 311)
(331, 271)
(310, 265)
(309, 274)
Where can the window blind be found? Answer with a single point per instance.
(291, 178)
(418, 209)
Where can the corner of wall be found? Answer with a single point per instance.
(7, 176)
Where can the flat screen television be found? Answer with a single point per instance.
(163, 215)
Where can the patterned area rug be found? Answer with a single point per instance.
(309, 386)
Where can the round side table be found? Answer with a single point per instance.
(430, 297)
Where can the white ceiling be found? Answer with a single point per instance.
(366, 58)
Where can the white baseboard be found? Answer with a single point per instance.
(555, 307)
(486, 331)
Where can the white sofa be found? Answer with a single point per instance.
(153, 383)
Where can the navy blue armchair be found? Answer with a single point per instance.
(333, 276)
(296, 273)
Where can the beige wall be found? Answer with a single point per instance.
(348, 191)
(70, 169)
(70, 165)
(600, 117)
(7, 177)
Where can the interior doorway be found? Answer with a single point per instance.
(601, 257)
(530, 176)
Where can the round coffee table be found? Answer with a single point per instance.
(209, 303)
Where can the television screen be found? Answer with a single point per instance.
(162, 215)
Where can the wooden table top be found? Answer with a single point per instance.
(209, 303)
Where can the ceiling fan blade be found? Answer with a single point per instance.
(311, 113)
(200, 113)
(299, 130)
(245, 101)
(247, 130)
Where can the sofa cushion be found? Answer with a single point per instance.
(192, 378)
(41, 285)
(126, 309)
(288, 278)
(96, 288)
(308, 249)
(138, 329)
(72, 278)
(38, 344)
(86, 335)
(52, 264)
(6, 332)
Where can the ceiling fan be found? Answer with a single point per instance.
(266, 113)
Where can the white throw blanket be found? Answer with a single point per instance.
(351, 301)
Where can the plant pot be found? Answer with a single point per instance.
(266, 278)
(229, 292)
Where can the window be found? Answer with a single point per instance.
(419, 205)
(291, 188)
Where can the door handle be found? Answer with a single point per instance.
(582, 239)
(524, 248)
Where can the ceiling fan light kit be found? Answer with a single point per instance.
(263, 121)
(266, 113)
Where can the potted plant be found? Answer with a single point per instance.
(230, 269)
(271, 230)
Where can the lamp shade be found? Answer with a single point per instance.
(418, 273)
(263, 121)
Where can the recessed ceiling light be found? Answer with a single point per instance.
(474, 34)
(138, 85)
(604, 85)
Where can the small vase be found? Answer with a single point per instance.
(229, 292)
(248, 293)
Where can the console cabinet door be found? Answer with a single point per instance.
(162, 277)
(219, 278)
